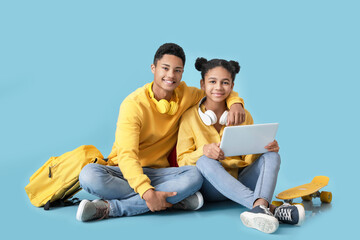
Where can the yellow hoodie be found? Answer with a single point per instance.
(144, 137)
(194, 134)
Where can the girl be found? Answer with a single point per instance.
(248, 180)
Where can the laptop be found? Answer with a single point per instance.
(247, 139)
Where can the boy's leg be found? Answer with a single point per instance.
(185, 180)
(227, 185)
(108, 183)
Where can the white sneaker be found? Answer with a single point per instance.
(193, 202)
(261, 219)
(87, 211)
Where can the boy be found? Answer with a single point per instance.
(138, 178)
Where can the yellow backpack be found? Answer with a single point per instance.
(58, 179)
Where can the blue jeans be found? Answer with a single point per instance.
(255, 181)
(107, 182)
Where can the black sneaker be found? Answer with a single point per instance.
(261, 219)
(193, 202)
(290, 214)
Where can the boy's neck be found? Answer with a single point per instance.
(161, 93)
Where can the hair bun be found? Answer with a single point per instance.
(235, 65)
(200, 63)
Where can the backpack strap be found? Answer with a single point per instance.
(101, 161)
(62, 203)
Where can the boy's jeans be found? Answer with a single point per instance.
(255, 181)
(108, 183)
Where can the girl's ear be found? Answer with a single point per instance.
(153, 68)
(232, 85)
(202, 84)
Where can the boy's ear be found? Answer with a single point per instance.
(202, 84)
(232, 85)
(153, 68)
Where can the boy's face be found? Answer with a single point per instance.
(217, 84)
(167, 73)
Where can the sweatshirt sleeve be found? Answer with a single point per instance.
(127, 146)
(187, 153)
(234, 98)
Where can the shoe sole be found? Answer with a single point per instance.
(80, 210)
(201, 200)
(301, 212)
(264, 223)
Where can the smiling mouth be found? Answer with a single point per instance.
(218, 94)
(169, 81)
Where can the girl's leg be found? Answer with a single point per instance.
(261, 177)
(210, 193)
(222, 181)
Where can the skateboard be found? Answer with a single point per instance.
(307, 192)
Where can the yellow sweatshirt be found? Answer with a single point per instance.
(194, 134)
(144, 137)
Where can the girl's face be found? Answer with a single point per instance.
(217, 84)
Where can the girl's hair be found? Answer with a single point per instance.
(204, 66)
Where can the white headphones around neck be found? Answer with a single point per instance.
(209, 117)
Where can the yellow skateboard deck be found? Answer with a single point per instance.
(308, 191)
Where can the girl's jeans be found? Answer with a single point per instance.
(255, 181)
(107, 182)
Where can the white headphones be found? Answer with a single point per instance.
(209, 117)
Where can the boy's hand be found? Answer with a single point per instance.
(273, 146)
(236, 115)
(213, 151)
(156, 200)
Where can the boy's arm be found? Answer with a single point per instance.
(197, 94)
(187, 153)
(127, 145)
(235, 104)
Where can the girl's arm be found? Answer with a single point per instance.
(187, 151)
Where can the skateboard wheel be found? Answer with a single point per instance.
(306, 198)
(326, 197)
(277, 203)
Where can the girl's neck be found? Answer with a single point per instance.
(217, 107)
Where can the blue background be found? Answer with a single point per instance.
(66, 66)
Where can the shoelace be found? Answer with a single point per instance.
(267, 211)
(283, 213)
(102, 213)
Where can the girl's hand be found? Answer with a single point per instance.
(213, 151)
(273, 146)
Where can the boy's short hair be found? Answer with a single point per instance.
(171, 49)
